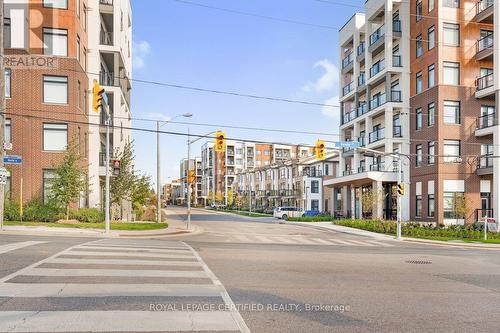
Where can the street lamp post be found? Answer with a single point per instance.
(158, 172)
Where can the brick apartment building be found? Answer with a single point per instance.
(443, 53)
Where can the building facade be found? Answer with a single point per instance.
(196, 189)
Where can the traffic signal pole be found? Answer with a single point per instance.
(107, 200)
(399, 214)
(2, 108)
(188, 225)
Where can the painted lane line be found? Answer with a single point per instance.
(113, 272)
(16, 246)
(236, 316)
(283, 240)
(379, 243)
(360, 243)
(340, 242)
(243, 239)
(124, 262)
(263, 239)
(112, 254)
(114, 321)
(39, 290)
(322, 241)
(131, 249)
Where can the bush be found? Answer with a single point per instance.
(11, 211)
(318, 218)
(150, 214)
(36, 211)
(89, 215)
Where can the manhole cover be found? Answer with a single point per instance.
(419, 262)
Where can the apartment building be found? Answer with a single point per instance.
(110, 63)
(375, 104)
(292, 182)
(46, 84)
(220, 169)
(196, 187)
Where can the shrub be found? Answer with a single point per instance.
(11, 211)
(37, 211)
(89, 215)
(318, 218)
(150, 214)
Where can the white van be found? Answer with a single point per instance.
(285, 212)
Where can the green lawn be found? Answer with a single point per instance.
(245, 213)
(458, 240)
(114, 226)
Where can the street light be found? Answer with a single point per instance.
(158, 180)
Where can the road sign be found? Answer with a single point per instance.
(348, 144)
(4, 173)
(7, 146)
(12, 159)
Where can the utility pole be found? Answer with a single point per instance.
(158, 181)
(107, 226)
(2, 109)
(188, 183)
(213, 175)
(400, 170)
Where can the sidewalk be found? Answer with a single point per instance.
(337, 228)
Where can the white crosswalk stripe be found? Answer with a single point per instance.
(16, 246)
(170, 270)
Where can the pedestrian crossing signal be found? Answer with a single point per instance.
(220, 142)
(191, 177)
(401, 189)
(320, 150)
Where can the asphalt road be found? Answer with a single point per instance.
(244, 274)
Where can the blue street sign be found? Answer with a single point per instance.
(348, 144)
(12, 160)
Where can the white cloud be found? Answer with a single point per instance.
(158, 116)
(325, 82)
(331, 111)
(140, 51)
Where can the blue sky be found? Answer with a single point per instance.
(184, 44)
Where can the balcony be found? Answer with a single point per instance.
(361, 79)
(361, 169)
(396, 96)
(106, 38)
(397, 131)
(377, 41)
(377, 167)
(396, 61)
(311, 173)
(485, 86)
(396, 28)
(347, 172)
(485, 123)
(377, 135)
(377, 68)
(347, 63)
(106, 2)
(349, 116)
(377, 101)
(230, 152)
(348, 88)
(484, 11)
(485, 165)
(108, 79)
(360, 52)
(362, 109)
(484, 47)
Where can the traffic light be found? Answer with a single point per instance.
(116, 167)
(320, 150)
(401, 189)
(191, 177)
(97, 92)
(220, 142)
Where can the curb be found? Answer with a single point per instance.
(344, 230)
(232, 214)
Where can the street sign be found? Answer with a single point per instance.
(12, 159)
(7, 146)
(4, 173)
(348, 144)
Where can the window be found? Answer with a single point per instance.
(8, 82)
(239, 151)
(451, 34)
(418, 152)
(6, 32)
(451, 73)
(431, 152)
(430, 76)
(48, 179)
(419, 84)
(78, 48)
(451, 151)
(431, 5)
(418, 118)
(55, 42)
(59, 4)
(451, 112)
(327, 170)
(431, 38)
(419, 10)
(8, 186)
(451, 204)
(314, 186)
(418, 44)
(55, 89)
(431, 114)
(451, 3)
(55, 137)
(84, 17)
(431, 208)
(418, 206)
(78, 8)
(315, 205)
(8, 130)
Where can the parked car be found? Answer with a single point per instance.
(311, 213)
(217, 206)
(284, 213)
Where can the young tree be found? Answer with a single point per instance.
(230, 198)
(122, 185)
(219, 197)
(69, 180)
(141, 191)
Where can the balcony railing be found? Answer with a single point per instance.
(485, 161)
(377, 167)
(396, 26)
(107, 79)
(361, 79)
(106, 2)
(347, 172)
(362, 109)
(361, 49)
(483, 5)
(377, 67)
(377, 101)
(377, 35)
(361, 169)
(348, 88)
(485, 43)
(485, 82)
(106, 38)
(361, 141)
(347, 60)
(377, 135)
(397, 132)
(396, 96)
(486, 121)
(311, 173)
(396, 61)
(349, 116)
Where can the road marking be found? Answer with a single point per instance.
(243, 239)
(123, 321)
(130, 249)
(360, 243)
(242, 326)
(263, 239)
(98, 245)
(323, 241)
(15, 246)
(123, 262)
(35, 290)
(283, 240)
(341, 242)
(379, 243)
(301, 240)
(126, 254)
(113, 272)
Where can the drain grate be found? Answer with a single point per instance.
(419, 262)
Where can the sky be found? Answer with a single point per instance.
(180, 42)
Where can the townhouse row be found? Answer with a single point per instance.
(54, 51)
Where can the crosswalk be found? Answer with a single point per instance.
(118, 285)
(17, 245)
(299, 240)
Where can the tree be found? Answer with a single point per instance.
(461, 206)
(219, 197)
(141, 191)
(121, 186)
(69, 181)
(230, 198)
